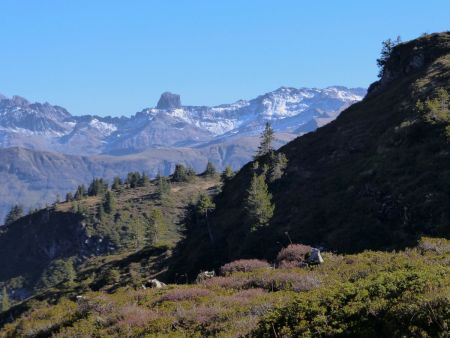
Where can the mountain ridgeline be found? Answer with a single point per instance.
(378, 177)
(37, 139)
(371, 190)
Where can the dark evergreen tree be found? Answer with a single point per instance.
(227, 174)
(267, 137)
(278, 163)
(180, 174)
(117, 182)
(80, 193)
(69, 197)
(135, 273)
(60, 270)
(133, 179)
(210, 170)
(112, 276)
(386, 51)
(143, 180)
(162, 186)
(259, 202)
(109, 202)
(97, 187)
(190, 172)
(14, 214)
(204, 206)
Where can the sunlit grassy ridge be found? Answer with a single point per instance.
(73, 246)
(371, 294)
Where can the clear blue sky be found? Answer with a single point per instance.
(116, 57)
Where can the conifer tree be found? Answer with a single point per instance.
(133, 179)
(180, 174)
(278, 162)
(5, 304)
(227, 174)
(117, 182)
(259, 202)
(154, 226)
(69, 197)
(97, 187)
(267, 137)
(190, 174)
(109, 202)
(14, 214)
(144, 180)
(204, 206)
(163, 186)
(80, 193)
(60, 270)
(386, 51)
(210, 170)
(112, 276)
(134, 271)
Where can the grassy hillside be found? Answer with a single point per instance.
(371, 294)
(78, 242)
(366, 188)
(378, 177)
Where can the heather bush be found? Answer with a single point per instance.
(270, 280)
(293, 255)
(243, 265)
(370, 294)
(133, 315)
(401, 303)
(438, 245)
(183, 293)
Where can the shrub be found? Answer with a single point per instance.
(388, 304)
(133, 315)
(293, 255)
(243, 265)
(270, 280)
(180, 294)
(438, 245)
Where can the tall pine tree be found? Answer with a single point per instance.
(267, 137)
(204, 206)
(259, 202)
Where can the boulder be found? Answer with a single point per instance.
(315, 257)
(205, 275)
(154, 283)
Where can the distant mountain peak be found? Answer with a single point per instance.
(20, 101)
(168, 101)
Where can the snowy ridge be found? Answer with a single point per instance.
(53, 128)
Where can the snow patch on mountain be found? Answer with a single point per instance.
(104, 128)
(289, 110)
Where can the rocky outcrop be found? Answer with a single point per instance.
(169, 101)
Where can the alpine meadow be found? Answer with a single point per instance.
(318, 209)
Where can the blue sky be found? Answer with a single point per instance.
(116, 57)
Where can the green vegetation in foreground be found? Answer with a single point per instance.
(371, 294)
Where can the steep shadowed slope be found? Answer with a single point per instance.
(376, 178)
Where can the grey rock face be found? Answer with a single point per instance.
(169, 101)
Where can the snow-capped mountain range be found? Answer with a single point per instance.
(47, 127)
(45, 151)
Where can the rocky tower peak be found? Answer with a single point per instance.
(169, 100)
